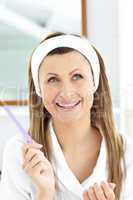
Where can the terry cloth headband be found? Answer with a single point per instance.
(80, 44)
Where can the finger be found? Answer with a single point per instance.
(35, 160)
(112, 185)
(99, 192)
(25, 147)
(31, 153)
(40, 168)
(85, 195)
(91, 194)
(33, 144)
(37, 169)
(109, 194)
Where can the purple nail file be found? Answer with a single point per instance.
(25, 134)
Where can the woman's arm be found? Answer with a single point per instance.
(14, 183)
(38, 167)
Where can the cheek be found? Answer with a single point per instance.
(48, 97)
(87, 92)
(86, 89)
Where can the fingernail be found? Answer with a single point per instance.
(40, 145)
(34, 142)
(113, 185)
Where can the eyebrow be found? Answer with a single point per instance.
(69, 72)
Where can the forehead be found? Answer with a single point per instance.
(64, 62)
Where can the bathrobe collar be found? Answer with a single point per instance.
(64, 173)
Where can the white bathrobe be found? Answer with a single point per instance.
(17, 185)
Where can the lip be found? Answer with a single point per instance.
(68, 107)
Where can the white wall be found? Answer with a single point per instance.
(126, 63)
(103, 32)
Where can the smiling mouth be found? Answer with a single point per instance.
(66, 107)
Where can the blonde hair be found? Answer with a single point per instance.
(101, 118)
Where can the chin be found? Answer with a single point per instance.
(68, 118)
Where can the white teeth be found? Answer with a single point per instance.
(67, 105)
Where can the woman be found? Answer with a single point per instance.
(78, 153)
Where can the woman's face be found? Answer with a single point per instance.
(67, 86)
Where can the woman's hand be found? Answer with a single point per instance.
(104, 191)
(39, 169)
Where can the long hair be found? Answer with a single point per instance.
(101, 116)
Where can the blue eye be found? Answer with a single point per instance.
(78, 75)
(52, 79)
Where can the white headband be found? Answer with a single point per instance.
(80, 44)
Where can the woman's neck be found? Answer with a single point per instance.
(77, 136)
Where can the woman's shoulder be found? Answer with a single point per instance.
(13, 149)
(13, 174)
(13, 156)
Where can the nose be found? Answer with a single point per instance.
(68, 93)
